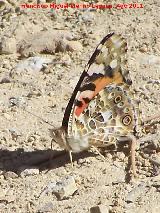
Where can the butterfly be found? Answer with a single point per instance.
(101, 110)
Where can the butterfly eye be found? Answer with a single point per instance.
(126, 120)
(117, 99)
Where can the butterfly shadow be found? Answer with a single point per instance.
(19, 160)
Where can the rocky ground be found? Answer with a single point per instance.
(42, 54)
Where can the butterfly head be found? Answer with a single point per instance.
(59, 136)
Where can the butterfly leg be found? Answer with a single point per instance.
(52, 144)
(71, 159)
(51, 155)
(95, 148)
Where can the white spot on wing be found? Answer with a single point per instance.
(106, 115)
(96, 68)
(113, 64)
(99, 47)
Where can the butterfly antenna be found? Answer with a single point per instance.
(38, 117)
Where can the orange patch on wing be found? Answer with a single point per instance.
(79, 110)
(100, 83)
(104, 81)
(85, 94)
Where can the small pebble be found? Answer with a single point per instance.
(5, 80)
(47, 207)
(65, 188)
(8, 46)
(9, 175)
(74, 46)
(143, 49)
(28, 171)
(17, 101)
(32, 64)
(62, 189)
(2, 4)
(99, 209)
(136, 192)
(87, 17)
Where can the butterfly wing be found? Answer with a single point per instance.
(100, 103)
(100, 70)
(108, 117)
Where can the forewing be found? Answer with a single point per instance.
(103, 68)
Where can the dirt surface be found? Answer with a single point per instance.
(43, 53)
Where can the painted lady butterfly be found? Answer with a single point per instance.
(101, 110)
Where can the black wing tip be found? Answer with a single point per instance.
(107, 37)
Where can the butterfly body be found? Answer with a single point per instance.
(101, 110)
